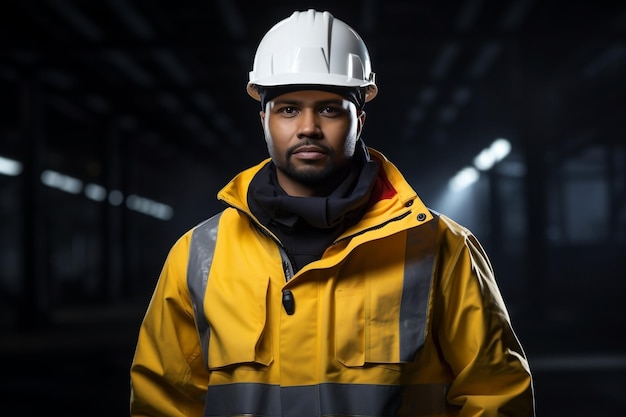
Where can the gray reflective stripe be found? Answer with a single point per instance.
(418, 269)
(201, 250)
(253, 399)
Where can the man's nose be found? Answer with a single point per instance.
(309, 125)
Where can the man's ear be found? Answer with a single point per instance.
(360, 122)
(262, 118)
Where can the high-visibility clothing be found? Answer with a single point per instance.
(401, 316)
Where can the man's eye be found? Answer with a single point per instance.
(288, 110)
(330, 110)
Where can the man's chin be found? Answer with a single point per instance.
(310, 175)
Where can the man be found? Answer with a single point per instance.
(325, 287)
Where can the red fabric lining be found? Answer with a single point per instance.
(383, 189)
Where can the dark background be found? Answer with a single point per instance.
(145, 99)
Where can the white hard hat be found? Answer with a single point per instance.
(312, 48)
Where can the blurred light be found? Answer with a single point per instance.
(427, 95)
(61, 182)
(445, 58)
(10, 167)
(464, 178)
(92, 191)
(116, 197)
(484, 60)
(448, 114)
(462, 96)
(151, 208)
(611, 56)
(484, 160)
(498, 150)
(95, 192)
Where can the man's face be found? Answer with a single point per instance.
(311, 136)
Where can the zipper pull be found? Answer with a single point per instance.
(288, 302)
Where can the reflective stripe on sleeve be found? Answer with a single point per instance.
(201, 251)
(418, 269)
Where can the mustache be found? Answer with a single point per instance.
(309, 143)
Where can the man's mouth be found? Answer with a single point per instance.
(309, 153)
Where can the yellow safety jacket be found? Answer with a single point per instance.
(400, 317)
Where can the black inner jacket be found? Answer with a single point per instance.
(306, 226)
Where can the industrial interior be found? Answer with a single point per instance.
(121, 119)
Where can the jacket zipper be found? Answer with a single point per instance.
(288, 301)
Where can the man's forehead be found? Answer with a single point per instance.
(310, 95)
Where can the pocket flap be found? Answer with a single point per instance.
(237, 314)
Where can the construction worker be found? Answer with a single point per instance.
(326, 287)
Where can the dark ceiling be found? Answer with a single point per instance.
(167, 79)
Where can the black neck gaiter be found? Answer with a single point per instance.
(307, 225)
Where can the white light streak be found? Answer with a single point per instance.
(95, 192)
(10, 167)
(495, 153)
(61, 182)
(464, 178)
(149, 207)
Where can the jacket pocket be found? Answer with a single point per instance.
(350, 327)
(371, 328)
(238, 319)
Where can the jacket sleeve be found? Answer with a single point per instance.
(168, 377)
(491, 373)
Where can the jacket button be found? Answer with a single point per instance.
(408, 203)
(421, 217)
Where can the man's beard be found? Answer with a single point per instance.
(310, 177)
